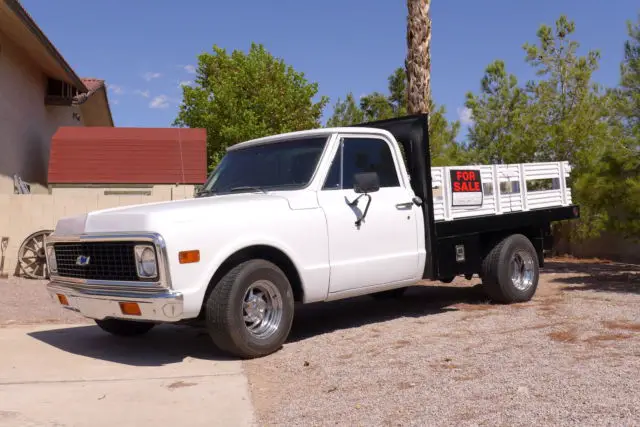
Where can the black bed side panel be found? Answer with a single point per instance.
(463, 243)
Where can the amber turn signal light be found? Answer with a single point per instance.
(130, 308)
(63, 299)
(187, 257)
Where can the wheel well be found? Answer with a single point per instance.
(534, 234)
(265, 252)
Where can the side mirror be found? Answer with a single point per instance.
(366, 182)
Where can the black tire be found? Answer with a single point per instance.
(124, 328)
(390, 294)
(497, 269)
(225, 316)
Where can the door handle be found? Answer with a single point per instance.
(403, 206)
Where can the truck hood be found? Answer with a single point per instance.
(160, 215)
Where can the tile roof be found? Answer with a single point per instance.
(112, 155)
(93, 85)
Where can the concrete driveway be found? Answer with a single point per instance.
(81, 376)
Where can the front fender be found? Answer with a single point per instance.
(306, 246)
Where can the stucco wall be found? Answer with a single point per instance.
(21, 215)
(26, 124)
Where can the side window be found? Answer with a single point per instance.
(368, 155)
(357, 155)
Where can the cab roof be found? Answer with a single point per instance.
(309, 133)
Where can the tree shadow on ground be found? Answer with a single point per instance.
(596, 276)
(418, 301)
(163, 345)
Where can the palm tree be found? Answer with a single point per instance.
(418, 62)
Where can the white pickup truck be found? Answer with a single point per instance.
(308, 216)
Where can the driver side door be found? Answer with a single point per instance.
(383, 249)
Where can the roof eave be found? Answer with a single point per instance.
(17, 8)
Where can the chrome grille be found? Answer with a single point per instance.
(106, 260)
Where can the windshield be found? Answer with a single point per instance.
(279, 165)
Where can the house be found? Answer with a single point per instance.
(39, 92)
(102, 161)
(99, 167)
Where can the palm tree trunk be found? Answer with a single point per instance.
(418, 62)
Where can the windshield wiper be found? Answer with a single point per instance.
(204, 193)
(247, 188)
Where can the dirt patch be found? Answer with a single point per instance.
(566, 336)
(624, 325)
(607, 337)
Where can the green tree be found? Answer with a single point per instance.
(500, 112)
(240, 96)
(610, 185)
(561, 115)
(346, 112)
(566, 111)
(628, 93)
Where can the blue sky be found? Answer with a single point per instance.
(145, 48)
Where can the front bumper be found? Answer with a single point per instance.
(156, 305)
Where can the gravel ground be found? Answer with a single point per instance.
(26, 301)
(441, 355)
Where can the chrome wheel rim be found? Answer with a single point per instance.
(262, 309)
(522, 270)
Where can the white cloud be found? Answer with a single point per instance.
(118, 90)
(160, 101)
(191, 69)
(115, 102)
(148, 76)
(465, 115)
(185, 83)
(142, 93)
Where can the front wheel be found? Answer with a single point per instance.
(510, 270)
(249, 313)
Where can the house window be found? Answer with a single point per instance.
(59, 92)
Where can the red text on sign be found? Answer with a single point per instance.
(466, 186)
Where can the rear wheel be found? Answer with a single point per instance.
(510, 270)
(249, 313)
(124, 328)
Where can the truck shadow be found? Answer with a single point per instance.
(418, 301)
(163, 345)
(169, 344)
(596, 276)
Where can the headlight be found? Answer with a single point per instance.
(51, 259)
(146, 261)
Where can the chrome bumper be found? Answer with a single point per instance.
(156, 305)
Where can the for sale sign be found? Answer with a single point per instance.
(466, 187)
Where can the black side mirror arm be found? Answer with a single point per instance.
(366, 208)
